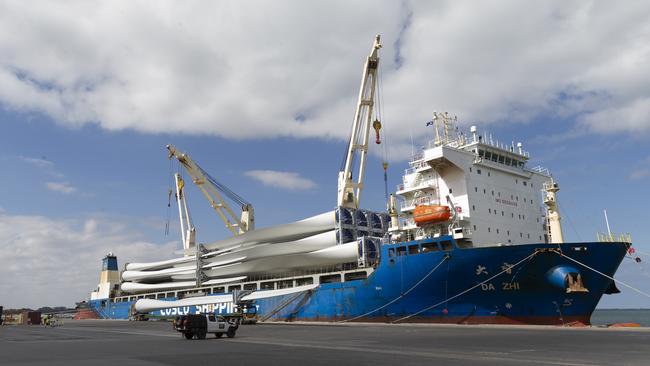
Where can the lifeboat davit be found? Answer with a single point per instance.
(431, 214)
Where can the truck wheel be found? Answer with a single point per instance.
(230, 333)
(218, 335)
(188, 335)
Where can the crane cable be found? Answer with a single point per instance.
(402, 294)
(509, 268)
(169, 198)
(225, 190)
(604, 275)
(380, 116)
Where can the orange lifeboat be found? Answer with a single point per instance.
(431, 214)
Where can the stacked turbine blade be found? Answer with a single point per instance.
(309, 243)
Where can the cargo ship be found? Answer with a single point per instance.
(472, 235)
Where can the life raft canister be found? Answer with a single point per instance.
(431, 214)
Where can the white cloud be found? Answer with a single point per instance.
(41, 163)
(286, 180)
(44, 165)
(268, 69)
(639, 174)
(50, 262)
(61, 187)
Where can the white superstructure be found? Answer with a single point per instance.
(496, 198)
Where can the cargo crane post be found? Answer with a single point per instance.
(188, 232)
(349, 192)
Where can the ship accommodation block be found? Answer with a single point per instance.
(497, 199)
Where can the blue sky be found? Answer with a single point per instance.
(86, 111)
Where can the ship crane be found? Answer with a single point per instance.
(349, 192)
(213, 192)
(188, 232)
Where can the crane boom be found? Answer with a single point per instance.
(349, 192)
(188, 232)
(213, 190)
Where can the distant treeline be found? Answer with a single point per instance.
(45, 309)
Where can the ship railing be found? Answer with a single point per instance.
(451, 142)
(417, 156)
(306, 272)
(415, 166)
(417, 202)
(614, 238)
(409, 222)
(419, 184)
(540, 169)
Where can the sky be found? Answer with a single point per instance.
(262, 94)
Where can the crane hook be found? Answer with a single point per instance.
(377, 126)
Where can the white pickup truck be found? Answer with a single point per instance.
(199, 325)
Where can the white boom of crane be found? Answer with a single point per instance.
(349, 192)
(212, 190)
(188, 232)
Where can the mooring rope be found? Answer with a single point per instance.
(401, 295)
(602, 274)
(468, 290)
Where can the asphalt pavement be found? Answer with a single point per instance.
(122, 343)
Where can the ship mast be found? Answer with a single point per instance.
(349, 192)
(554, 225)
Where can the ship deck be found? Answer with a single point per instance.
(106, 342)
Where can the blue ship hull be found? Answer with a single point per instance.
(473, 286)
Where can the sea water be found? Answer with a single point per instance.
(611, 316)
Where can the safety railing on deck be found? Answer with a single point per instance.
(419, 184)
(613, 238)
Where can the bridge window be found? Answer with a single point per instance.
(267, 285)
(413, 249)
(401, 251)
(250, 286)
(234, 287)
